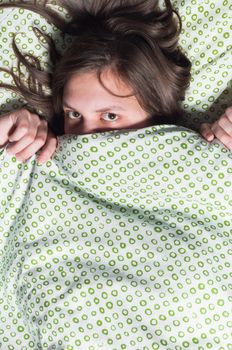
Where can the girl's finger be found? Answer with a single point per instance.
(222, 135)
(25, 123)
(19, 132)
(20, 140)
(206, 131)
(228, 113)
(6, 124)
(32, 147)
(225, 122)
(48, 149)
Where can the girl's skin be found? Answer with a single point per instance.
(89, 108)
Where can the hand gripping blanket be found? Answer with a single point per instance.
(121, 241)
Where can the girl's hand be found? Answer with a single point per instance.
(25, 133)
(221, 129)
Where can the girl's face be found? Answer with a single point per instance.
(89, 108)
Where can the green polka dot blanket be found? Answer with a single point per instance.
(121, 241)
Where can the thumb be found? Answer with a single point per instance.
(206, 132)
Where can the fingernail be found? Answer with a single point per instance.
(21, 160)
(40, 162)
(209, 137)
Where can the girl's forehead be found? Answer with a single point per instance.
(84, 92)
(108, 80)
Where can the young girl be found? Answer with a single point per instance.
(123, 70)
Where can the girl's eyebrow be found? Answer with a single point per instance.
(105, 109)
(67, 105)
(109, 108)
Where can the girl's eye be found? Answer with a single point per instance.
(110, 116)
(72, 114)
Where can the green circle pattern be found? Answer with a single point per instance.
(121, 241)
(205, 37)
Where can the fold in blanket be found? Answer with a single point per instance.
(121, 241)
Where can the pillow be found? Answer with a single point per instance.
(205, 37)
(121, 241)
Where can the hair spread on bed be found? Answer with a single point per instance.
(136, 39)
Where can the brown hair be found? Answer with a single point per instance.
(134, 38)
